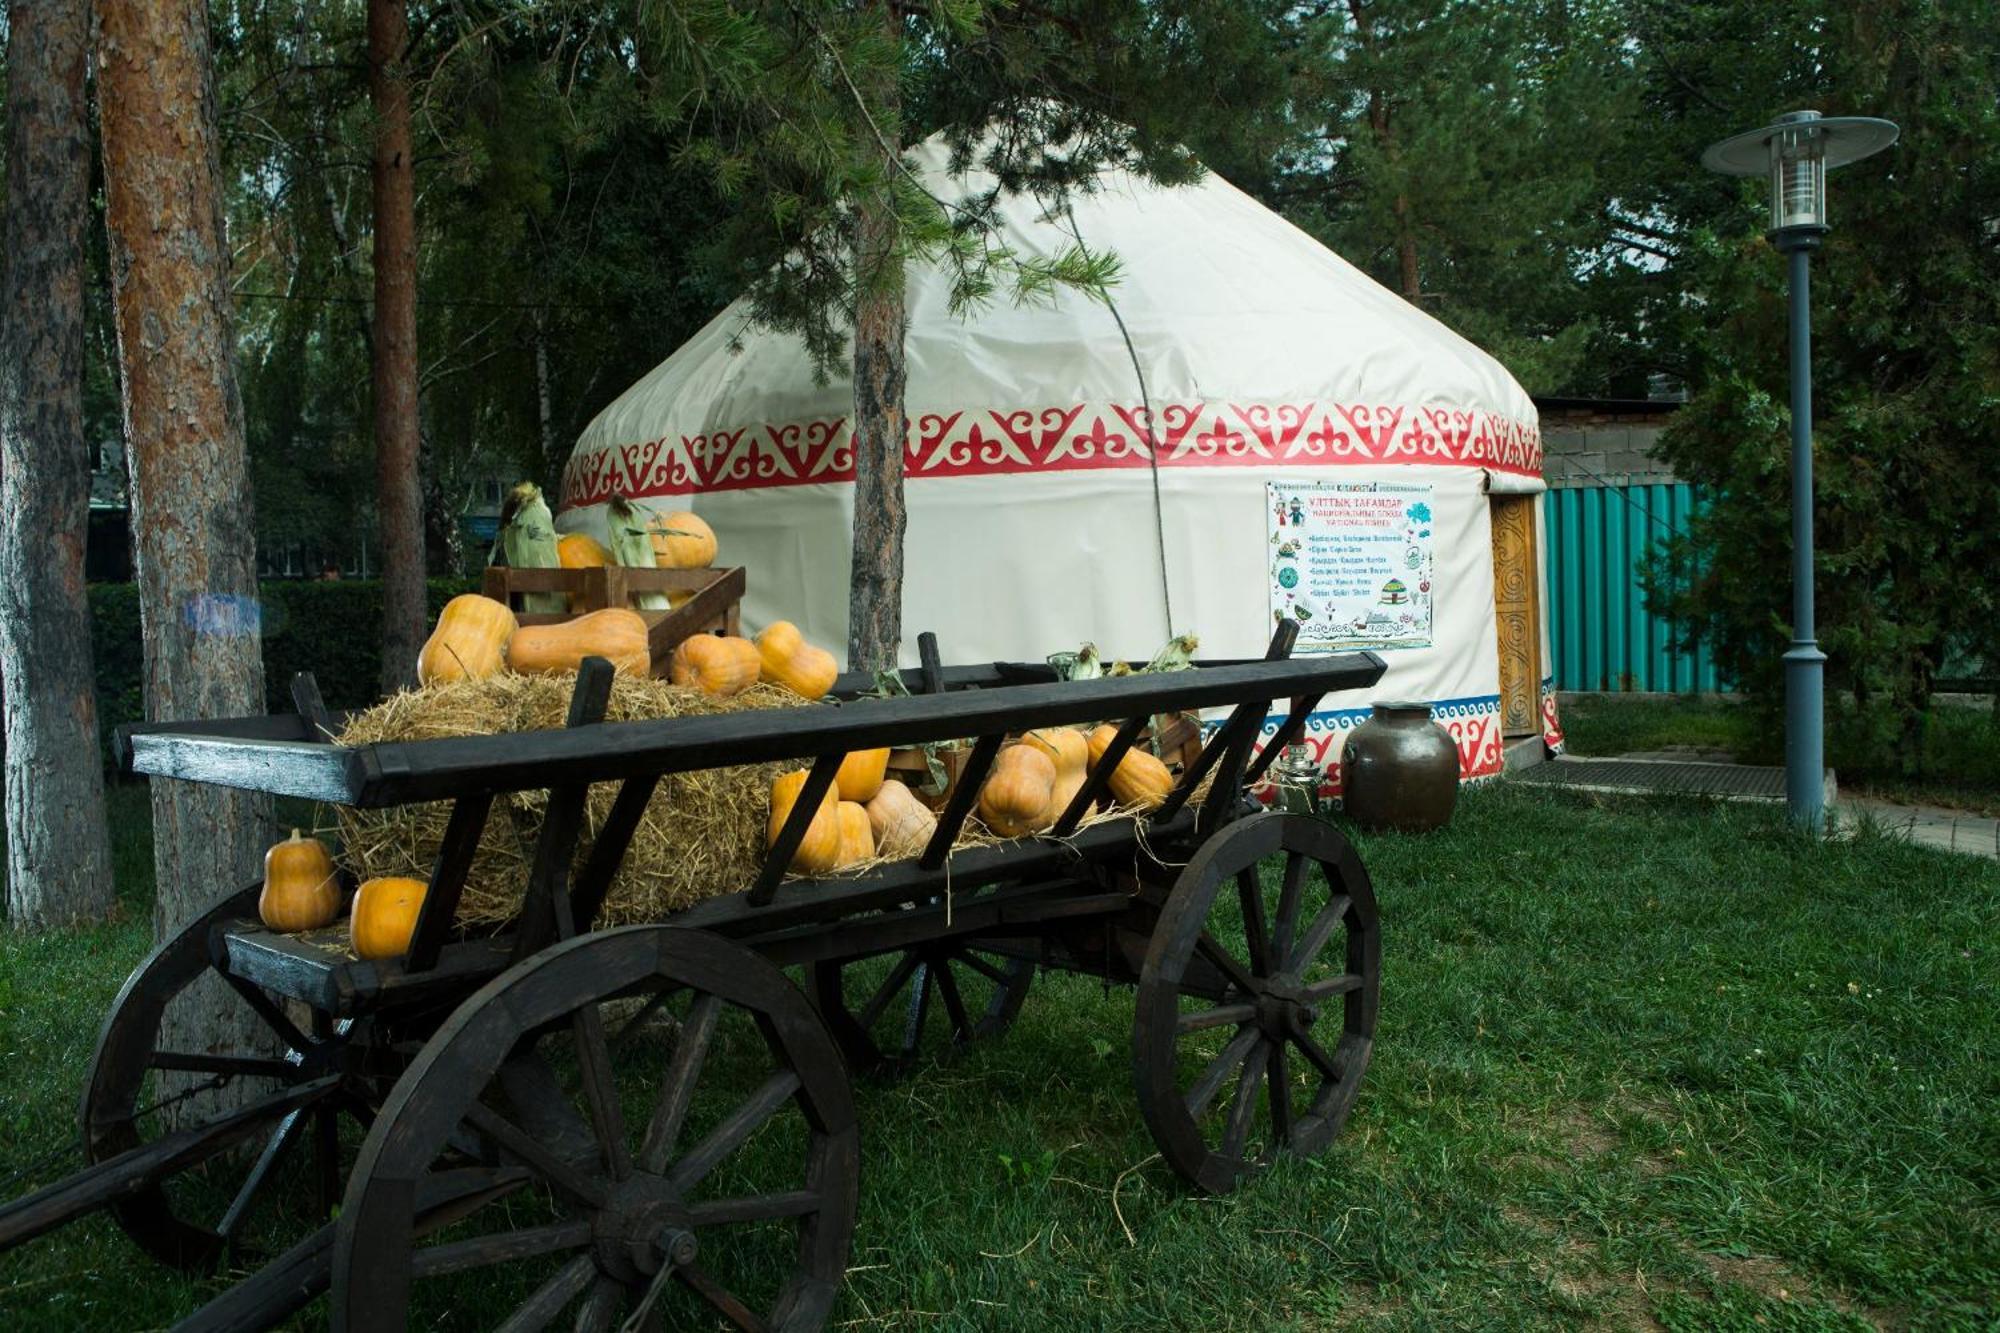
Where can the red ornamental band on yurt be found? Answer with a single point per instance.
(1251, 430)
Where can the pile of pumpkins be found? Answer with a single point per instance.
(865, 814)
(302, 892)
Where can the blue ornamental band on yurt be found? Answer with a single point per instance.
(1306, 445)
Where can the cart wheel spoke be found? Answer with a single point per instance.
(236, 1066)
(517, 1142)
(281, 1140)
(1280, 1092)
(1318, 933)
(549, 1300)
(733, 1132)
(985, 969)
(677, 1088)
(1243, 1108)
(588, 1026)
(755, 1208)
(543, 1108)
(1226, 963)
(267, 1009)
(720, 1297)
(892, 986)
(600, 1308)
(504, 1247)
(1198, 1020)
(1218, 1071)
(954, 1005)
(1256, 937)
(637, 1022)
(1191, 985)
(917, 1012)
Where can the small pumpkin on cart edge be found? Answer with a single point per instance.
(301, 891)
(385, 915)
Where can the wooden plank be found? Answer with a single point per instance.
(805, 808)
(432, 770)
(337, 984)
(1098, 780)
(545, 906)
(439, 913)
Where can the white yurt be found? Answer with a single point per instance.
(1322, 450)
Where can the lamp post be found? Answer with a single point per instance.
(1797, 150)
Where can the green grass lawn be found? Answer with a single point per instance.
(1961, 743)
(1639, 1065)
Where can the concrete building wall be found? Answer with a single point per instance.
(1603, 443)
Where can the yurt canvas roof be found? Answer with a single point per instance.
(1037, 516)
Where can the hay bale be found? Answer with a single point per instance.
(702, 834)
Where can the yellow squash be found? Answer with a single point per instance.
(470, 641)
(613, 633)
(861, 774)
(1070, 752)
(716, 664)
(1140, 778)
(857, 836)
(580, 550)
(1015, 799)
(819, 850)
(903, 825)
(790, 661)
(385, 916)
(681, 540)
(300, 891)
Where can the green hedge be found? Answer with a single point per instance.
(333, 630)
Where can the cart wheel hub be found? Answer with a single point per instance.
(643, 1228)
(1283, 1009)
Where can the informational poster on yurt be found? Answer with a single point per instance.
(1351, 563)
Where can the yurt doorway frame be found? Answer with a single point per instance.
(1517, 612)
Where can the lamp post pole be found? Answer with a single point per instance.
(1795, 152)
(1805, 664)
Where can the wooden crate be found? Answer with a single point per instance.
(712, 609)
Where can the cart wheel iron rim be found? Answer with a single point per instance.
(306, 1077)
(642, 1191)
(1257, 1002)
(889, 1025)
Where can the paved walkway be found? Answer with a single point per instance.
(1710, 773)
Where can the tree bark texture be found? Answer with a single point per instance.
(190, 483)
(58, 853)
(398, 490)
(875, 588)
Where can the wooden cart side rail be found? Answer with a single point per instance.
(398, 773)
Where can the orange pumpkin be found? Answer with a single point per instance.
(469, 642)
(580, 550)
(613, 633)
(1140, 778)
(857, 836)
(861, 774)
(819, 850)
(1015, 799)
(385, 916)
(681, 540)
(300, 890)
(789, 660)
(1070, 752)
(716, 664)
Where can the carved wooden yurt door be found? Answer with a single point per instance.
(1517, 609)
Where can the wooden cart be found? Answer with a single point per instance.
(652, 1126)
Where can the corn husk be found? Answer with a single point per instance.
(1087, 665)
(632, 547)
(1177, 655)
(528, 538)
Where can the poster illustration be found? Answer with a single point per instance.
(1351, 562)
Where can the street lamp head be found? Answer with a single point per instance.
(1796, 151)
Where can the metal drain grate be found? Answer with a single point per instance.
(1739, 781)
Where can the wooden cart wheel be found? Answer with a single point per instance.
(1237, 1053)
(686, 1129)
(142, 1084)
(889, 1013)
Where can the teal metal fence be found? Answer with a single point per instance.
(1598, 627)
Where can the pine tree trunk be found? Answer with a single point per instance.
(875, 589)
(398, 490)
(58, 854)
(191, 513)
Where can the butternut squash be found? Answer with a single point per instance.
(469, 642)
(613, 633)
(790, 661)
(385, 916)
(721, 665)
(819, 850)
(300, 891)
(1140, 778)
(1070, 751)
(681, 540)
(857, 835)
(1015, 799)
(903, 825)
(861, 774)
